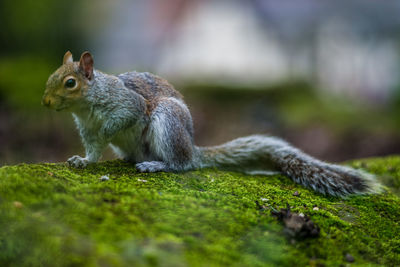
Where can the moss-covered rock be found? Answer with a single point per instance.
(53, 215)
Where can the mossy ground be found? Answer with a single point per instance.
(53, 215)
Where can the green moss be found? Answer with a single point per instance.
(51, 214)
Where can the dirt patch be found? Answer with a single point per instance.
(296, 225)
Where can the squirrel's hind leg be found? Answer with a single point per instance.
(170, 138)
(151, 166)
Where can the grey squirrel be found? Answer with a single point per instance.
(145, 120)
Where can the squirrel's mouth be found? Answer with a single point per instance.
(60, 108)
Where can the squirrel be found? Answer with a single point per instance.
(146, 122)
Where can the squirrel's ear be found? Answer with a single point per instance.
(68, 58)
(86, 64)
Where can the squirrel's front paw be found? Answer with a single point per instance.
(78, 162)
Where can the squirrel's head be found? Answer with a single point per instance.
(66, 87)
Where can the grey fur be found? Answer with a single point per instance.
(147, 123)
(260, 152)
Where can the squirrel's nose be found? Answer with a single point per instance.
(46, 101)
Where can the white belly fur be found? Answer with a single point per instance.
(128, 144)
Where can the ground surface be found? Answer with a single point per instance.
(53, 215)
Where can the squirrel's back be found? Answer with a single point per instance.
(148, 85)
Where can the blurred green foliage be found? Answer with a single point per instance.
(300, 108)
(44, 28)
(23, 81)
(299, 104)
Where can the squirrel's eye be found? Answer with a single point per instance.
(70, 83)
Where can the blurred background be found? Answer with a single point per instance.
(322, 74)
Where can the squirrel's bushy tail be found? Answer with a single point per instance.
(263, 153)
